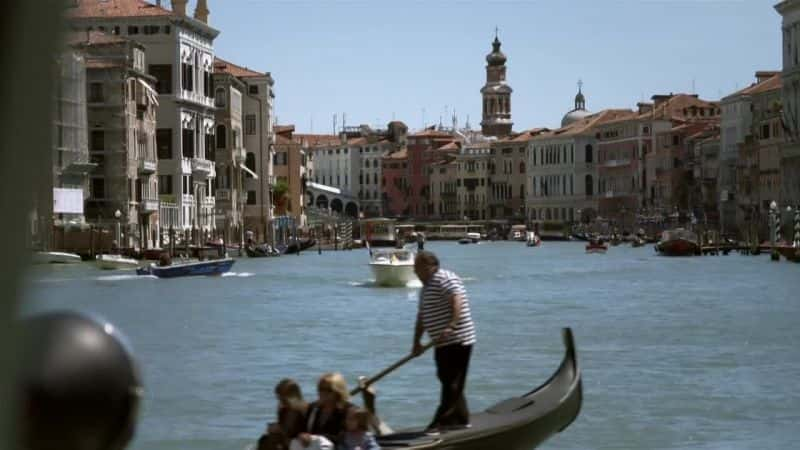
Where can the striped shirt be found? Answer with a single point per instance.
(436, 312)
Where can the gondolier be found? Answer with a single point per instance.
(444, 314)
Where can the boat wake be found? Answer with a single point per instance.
(238, 274)
(131, 276)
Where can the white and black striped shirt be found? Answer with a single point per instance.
(436, 312)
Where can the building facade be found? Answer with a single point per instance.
(473, 182)
(180, 54)
(121, 112)
(496, 95)
(790, 100)
(290, 166)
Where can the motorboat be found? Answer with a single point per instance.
(678, 242)
(55, 258)
(532, 240)
(188, 269)
(517, 423)
(474, 237)
(596, 246)
(115, 262)
(392, 268)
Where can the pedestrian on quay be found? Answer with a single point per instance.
(444, 313)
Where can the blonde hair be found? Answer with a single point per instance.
(334, 381)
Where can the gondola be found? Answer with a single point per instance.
(302, 245)
(260, 251)
(518, 423)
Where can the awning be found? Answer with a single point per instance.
(246, 169)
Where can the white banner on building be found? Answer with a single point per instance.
(67, 201)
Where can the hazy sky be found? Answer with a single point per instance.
(377, 60)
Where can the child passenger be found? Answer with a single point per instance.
(356, 435)
(292, 410)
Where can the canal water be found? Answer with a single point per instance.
(695, 353)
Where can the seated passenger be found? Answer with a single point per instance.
(292, 410)
(164, 260)
(326, 416)
(356, 435)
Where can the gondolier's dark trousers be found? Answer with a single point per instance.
(452, 363)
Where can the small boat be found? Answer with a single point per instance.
(637, 242)
(517, 423)
(115, 262)
(474, 237)
(678, 242)
(55, 258)
(393, 267)
(261, 251)
(596, 246)
(532, 240)
(189, 269)
(299, 245)
(465, 240)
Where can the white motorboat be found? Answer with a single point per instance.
(115, 262)
(393, 267)
(532, 240)
(55, 258)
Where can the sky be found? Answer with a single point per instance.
(417, 61)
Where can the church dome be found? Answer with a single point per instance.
(574, 116)
(496, 58)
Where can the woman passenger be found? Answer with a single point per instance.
(326, 417)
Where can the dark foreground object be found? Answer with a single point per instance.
(210, 267)
(518, 423)
(297, 246)
(79, 386)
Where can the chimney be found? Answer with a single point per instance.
(201, 11)
(644, 107)
(179, 7)
(659, 99)
(764, 75)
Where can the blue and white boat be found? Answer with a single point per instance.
(190, 269)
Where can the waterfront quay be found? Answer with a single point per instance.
(676, 353)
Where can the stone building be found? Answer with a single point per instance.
(790, 100)
(472, 181)
(290, 166)
(121, 114)
(496, 94)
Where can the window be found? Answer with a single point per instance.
(764, 131)
(250, 124)
(115, 30)
(166, 29)
(221, 136)
(151, 29)
(208, 84)
(251, 197)
(98, 141)
(95, 92)
(133, 29)
(98, 188)
(675, 140)
(164, 143)
(187, 77)
(279, 159)
(589, 185)
(522, 167)
(163, 76)
(165, 184)
(589, 156)
(252, 89)
(250, 163)
(188, 143)
(210, 147)
(219, 98)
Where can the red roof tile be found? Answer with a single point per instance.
(115, 8)
(93, 38)
(222, 66)
(316, 140)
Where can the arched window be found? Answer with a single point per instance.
(522, 167)
(375, 178)
(221, 134)
(589, 185)
(250, 162)
(375, 163)
(589, 155)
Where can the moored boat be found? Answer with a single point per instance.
(678, 242)
(637, 242)
(189, 269)
(517, 423)
(261, 251)
(532, 240)
(55, 258)
(299, 245)
(393, 268)
(115, 262)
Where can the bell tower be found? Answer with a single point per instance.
(496, 93)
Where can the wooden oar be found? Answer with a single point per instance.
(390, 369)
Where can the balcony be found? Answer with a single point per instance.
(147, 166)
(202, 167)
(148, 205)
(239, 155)
(223, 194)
(616, 162)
